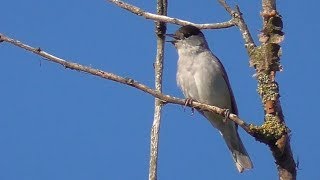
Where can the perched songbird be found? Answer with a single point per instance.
(202, 77)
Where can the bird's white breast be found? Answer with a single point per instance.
(200, 78)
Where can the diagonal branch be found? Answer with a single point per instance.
(241, 24)
(162, 18)
(126, 81)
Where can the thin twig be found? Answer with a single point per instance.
(126, 81)
(160, 32)
(226, 6)
(241, 24)
(162, 18)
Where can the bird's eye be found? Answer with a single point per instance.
(187, 35)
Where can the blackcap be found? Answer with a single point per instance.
(202, 77)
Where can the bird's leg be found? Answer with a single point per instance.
(189, 102)
(226, 115)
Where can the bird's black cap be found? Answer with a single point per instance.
(186, 31)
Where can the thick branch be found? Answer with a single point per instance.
(265, 59)
(272, 37)
(269, 5)
(162, 18)
(160, 32)
(126, 81)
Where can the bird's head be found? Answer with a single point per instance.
(187, 36)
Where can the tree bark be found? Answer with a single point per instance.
(160, 31)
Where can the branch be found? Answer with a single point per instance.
(162, 18)
(126, 81)
(158, 67)
(266, 67)
(266, 61)
(241, 24)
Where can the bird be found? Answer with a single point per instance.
(202, 77)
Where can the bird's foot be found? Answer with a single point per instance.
(189, 102)
(226, 115)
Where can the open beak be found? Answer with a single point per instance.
(174, 40)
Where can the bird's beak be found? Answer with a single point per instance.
(171, 35)
(174, 40)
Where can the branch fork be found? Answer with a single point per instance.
(274, 125)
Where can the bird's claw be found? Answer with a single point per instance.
(189, 102)
(226, 115)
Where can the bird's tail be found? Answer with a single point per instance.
(238, 151)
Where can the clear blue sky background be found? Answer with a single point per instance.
(58, 124)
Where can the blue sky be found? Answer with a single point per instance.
(58, 124)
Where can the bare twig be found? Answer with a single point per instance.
(162, 18)
(239, 21)
(126, 81)
(227, 7)
(160, 31)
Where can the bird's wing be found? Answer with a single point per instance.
(225, 76)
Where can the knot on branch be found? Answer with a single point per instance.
(130, 81)
(236, 14)
(38, 49)
(270, 131)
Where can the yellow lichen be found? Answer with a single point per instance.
(272, 129)
(267, 89)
